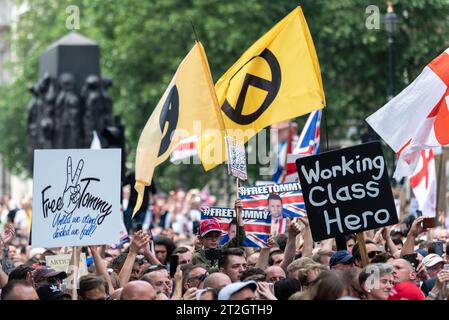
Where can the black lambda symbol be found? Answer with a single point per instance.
(272, 87)
(169, 114)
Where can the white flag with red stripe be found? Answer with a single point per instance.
(424, 183)
(418, 117)
(185, 149)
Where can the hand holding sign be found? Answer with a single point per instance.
(270, 242)
(72, 188)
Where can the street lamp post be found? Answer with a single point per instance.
(390, 26)
(390, 20)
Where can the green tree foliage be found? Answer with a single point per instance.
(142, 43)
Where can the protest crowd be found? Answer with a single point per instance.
(292, 267)
(325, 228)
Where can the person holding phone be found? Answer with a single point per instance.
(416, 229)
(209, 239)
(433, 264)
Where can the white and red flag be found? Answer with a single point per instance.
(424, 183)
(185, 149)
(418, 117)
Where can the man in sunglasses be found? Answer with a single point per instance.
(46, 275)
(371, 249)
(194, 276)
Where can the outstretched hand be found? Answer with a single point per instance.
(8, 234)
(140, 239)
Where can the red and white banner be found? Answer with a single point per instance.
(424, 183)
(185, 149)
(418, 117)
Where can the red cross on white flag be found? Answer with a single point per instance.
(418, 117)
(424, 183)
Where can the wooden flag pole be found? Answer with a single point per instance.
(362, 248)
(76, 263)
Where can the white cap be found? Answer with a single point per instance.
(431, 259)
(230, 289)
(36, 251)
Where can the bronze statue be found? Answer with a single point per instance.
(68, 115)
(47, 95)
(32, 129)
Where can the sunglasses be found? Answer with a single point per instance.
(200, 278)
(372, 254)
(53, 280)
(155, 267)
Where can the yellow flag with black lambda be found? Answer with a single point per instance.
(188, 107)
(276, 79)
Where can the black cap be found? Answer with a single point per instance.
(51, 292)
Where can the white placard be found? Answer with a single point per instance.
(76, 197)
(61, 262)
(236, 158)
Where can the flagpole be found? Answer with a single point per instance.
(238, 214)
(340, 241)
(287, 150)
(194, 31)
(440, 168)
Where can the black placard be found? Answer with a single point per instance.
(346, 191)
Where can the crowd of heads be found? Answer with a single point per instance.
(177, 256)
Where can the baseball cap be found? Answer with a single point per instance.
(230, 289)
(46, 272)
(209, 225)
(36, 251)
(342, 256)
(422, 252)
(406, 290)
(431, 259)
(51, 292)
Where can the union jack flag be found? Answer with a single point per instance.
(308, 144)
(257, 231)
(292, 203)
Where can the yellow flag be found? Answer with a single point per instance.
(276, 79)
(188, 107)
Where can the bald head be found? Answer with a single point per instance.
(275, 274)
(252, 259)
(18, 290)
(403, 271)
(138, 290)
(217, 280)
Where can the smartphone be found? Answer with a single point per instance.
(151, 243)
(174, 260)
(428, 223)
(439, 248)
(271, 287)
(212, 254)
(418, 213)
(412, 259)
(85, 250)
(196, 227)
